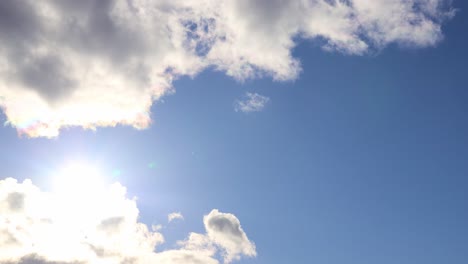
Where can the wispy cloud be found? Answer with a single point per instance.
(102, 63)
(54, 227)
(175, 216)
(252, 102)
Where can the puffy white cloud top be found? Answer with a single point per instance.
(96, 63)
(102, 227)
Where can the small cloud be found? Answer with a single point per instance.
(226, 232)
(175, 216)
(156, 228)
(252, 102)
(223, 232)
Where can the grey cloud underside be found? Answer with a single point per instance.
(20, 30)
(34, 259)
(111, 224)
(19, 24)
(224, 225)
(7, 239)
(225, 230)
(108, 56)
(98, 35)
(15, 201)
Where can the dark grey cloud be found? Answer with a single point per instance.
(21, 29)
(91, 29)
(47, 75)
(87, 28)
(19, 23)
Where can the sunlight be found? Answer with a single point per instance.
(75, 177)
(79, 190)
(76, 186)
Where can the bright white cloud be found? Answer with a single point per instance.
(175, 216)
(103, 62)
(48, 227)
(253, 102)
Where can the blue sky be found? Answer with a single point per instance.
(360, 159)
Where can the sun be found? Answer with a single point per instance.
(77, 188)
(78, 199)
(78, 179)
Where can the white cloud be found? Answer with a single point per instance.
(175, 216)
(50, 227)
(253, 102)
(103, 62)
(225, 231)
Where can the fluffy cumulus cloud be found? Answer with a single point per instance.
(102, 227)
(252, 102)
(96, 63)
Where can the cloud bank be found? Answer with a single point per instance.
(58, 227)
(97, 63)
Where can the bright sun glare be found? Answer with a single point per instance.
(76, 177)
(79, 199)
